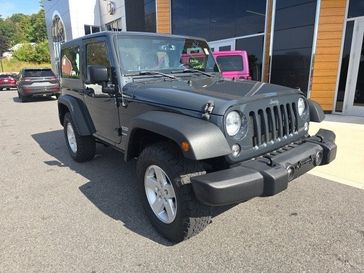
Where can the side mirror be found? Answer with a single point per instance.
(97, 74)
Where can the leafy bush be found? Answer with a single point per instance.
(23, 53)
(34, 53)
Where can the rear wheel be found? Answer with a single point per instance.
(21, 97)
(172, 207)
(81, 148)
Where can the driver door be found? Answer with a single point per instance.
(101, 106)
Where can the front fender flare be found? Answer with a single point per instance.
(79, 113)
(205, 138)
(316, 112)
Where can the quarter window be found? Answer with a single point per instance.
(71, 62)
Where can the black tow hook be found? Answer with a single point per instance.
(271, 162)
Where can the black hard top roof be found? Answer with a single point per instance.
(126, 33)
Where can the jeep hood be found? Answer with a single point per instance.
(194, 94)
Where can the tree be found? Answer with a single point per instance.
(6, 30)
(4, 44)
(21, 28)
(38, 30)
(21, 23)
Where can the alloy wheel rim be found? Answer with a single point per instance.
(160, 194)
(71, 138)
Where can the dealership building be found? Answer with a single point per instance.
(314, 45)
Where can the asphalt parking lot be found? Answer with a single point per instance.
(57, 215)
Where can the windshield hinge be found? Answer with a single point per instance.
(209, 107)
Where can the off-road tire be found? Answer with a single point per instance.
(191, 217)
(86, 145)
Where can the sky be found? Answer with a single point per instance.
(9, 7)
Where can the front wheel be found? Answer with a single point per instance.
(81, 148)
(172, 207)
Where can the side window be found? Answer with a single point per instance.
(70, 66)
(97, 54)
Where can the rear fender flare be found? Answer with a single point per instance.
(79, 113)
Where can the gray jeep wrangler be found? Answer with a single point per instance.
(199, 140)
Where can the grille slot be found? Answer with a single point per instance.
(272, 123)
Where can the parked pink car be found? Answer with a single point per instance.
(233, 64)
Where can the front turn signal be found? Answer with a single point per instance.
(185, 146)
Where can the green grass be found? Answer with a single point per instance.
(13, 65)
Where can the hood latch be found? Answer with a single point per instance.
(209, 107)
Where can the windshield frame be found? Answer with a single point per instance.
(125, 72)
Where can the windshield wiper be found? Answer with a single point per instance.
(141, 73)
(189, 70)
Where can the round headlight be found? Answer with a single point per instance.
(233, 123)
(301, 105)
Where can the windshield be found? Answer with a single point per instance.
(153, 53)
(230, 63)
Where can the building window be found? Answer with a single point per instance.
(254, 48)
(292, 43)
(150, 15)
(91, 29)
(114, 25)
(140, 15)
(70, 63)
(215, 20)
(356, 8)
(344, 66)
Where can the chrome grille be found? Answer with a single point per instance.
(273, 122)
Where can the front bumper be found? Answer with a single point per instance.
(266, 175)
